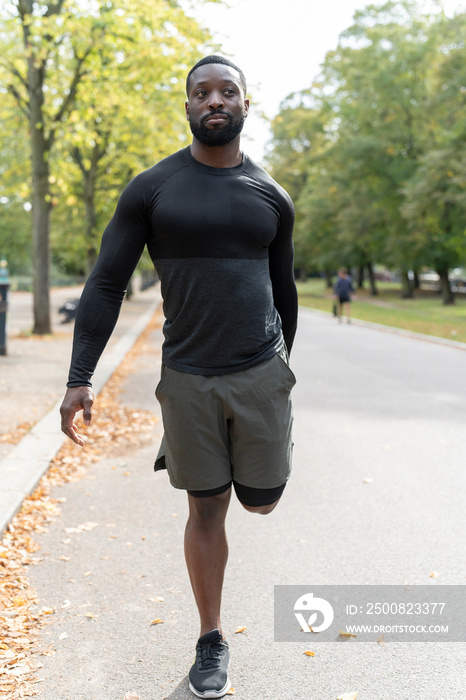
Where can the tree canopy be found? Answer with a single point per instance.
(91, 92)
(374, 151)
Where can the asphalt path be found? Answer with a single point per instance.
(376, 497)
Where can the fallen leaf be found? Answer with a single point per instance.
(381, 640)
(131, 696)
(157, 621)
(19, 601)
(48, 611)
(368, 481)
(89, 615)
(63, 558)
(157, 599)
(341, 633)
(309, 653)
(85, 527)
(232, 691)
(434, 574)
(239, 629)
(348, 696)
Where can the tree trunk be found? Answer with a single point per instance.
(41, 143)
(447, 295)
(406, 286)
(41, 247)
(416, 280)
(41, 199)
(91, 219)
(328, 279)
(374, 290)
(360, 277)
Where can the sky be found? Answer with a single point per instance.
(279, 45)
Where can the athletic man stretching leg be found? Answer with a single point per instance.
(219, 231)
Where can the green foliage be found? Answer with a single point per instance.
(373, 152)
(15, 220)
(112, 103)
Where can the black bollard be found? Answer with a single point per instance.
(4, 288)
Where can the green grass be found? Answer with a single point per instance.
(423, 314)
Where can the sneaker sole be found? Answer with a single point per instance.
(211, 693)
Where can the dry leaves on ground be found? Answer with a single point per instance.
(17, 434)
(114, 426)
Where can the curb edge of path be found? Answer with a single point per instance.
(438, 340)
(24, 466)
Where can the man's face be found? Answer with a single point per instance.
(216, 107)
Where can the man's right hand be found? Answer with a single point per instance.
(77, 398)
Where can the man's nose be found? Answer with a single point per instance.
(216, 100)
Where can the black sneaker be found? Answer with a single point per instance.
(208, 677)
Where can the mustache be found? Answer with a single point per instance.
(215, 112)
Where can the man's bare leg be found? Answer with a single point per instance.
(206, 553)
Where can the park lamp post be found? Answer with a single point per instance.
(4, 288)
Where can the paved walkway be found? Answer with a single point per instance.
(377, 497)
(34, 372)
(32, 383)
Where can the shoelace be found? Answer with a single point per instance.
(210, 654)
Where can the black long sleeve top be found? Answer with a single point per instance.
(221, 242)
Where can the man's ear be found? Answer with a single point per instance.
(246, 108)
(186, 107)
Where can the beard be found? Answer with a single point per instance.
(217, 137)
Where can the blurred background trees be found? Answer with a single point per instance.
(91, 93)
(374, 152)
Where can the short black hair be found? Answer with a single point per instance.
(216, 59)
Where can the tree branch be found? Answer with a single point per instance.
(76, 156)
(14, 71)
(25, 7)
(54, 8)
(21, 102)
(68, 100)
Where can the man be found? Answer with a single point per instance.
(218, 229)
(342, 291)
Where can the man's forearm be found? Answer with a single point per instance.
(97, 315)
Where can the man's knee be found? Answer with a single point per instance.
(209, 508)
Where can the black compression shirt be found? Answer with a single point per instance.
(220, 240)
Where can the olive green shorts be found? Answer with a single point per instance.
(224, 428)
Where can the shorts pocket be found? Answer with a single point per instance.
(289, 372)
